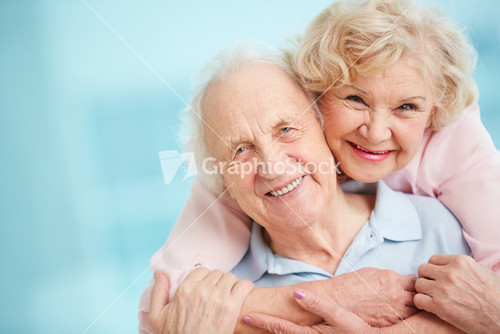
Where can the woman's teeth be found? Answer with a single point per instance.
(288, 188)
(362, 149)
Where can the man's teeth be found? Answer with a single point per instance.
(362, 149)
(288, 188)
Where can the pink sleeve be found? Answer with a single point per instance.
(461, 167)
(209, 233)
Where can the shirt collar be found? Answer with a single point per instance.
(394, 215)
(261, 259)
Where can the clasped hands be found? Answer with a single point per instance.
(210, 302)
(454, 287)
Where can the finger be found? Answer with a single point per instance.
(242, 288)
(224, 285)
(424, 302)
(212, 278)
(197, 275)
(159, 294)
(441, 259)
(227, 280)
(337, 317)
(409, 282)
(409, 299)
(314, 304)
(424, 285)
(275, 325)
(428, 270)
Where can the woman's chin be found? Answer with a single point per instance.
(366, 175)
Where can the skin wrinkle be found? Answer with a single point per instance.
(377, 123)
(259, 121)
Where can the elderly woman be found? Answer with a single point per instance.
(350, 58)
(263, 129)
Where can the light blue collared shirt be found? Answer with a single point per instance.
(403, 232)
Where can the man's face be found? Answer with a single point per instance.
(261, 125)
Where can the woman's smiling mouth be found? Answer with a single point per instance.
(369, 155)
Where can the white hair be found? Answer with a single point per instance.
(228, 61)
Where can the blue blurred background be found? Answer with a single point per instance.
(85, 108)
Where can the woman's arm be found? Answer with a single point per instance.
(380, 297)
(339, 320)
(212, 302)
(460, 166)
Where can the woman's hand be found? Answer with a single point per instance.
(460, 291)
(337, 319)
(206, 302)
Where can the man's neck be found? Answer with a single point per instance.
(324, 242)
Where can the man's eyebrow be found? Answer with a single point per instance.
(286, 122)
(281, 123)
(235, 141)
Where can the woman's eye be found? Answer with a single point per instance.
(355, 98)
(407, 107)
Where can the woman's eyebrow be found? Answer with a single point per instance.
(406, 99)
(359, 90)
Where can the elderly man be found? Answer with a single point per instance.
(254, 114)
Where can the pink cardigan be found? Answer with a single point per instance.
(459, 165)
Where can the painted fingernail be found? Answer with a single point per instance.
(247, 319)
(299, 294)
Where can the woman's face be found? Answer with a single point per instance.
(375, 126)
(276, 163)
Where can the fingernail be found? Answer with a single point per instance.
(247, 319)
(157, 275)
(299, 294)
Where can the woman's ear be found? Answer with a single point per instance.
(431, 117)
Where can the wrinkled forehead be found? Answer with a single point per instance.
(252, 102)
(407, 71)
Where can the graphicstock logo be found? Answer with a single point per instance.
(172, 161)
(210, 166)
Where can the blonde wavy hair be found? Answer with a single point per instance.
(366, 37)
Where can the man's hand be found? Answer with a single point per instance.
(337, 319)
(206, 302)
(380, 297)
(460, 291)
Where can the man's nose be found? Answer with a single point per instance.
(272, 162)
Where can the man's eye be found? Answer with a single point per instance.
(285, 130)
(240, 150)
(355, 98)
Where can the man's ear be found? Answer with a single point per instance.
(227, 188)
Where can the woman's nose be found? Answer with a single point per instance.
(376, 128)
